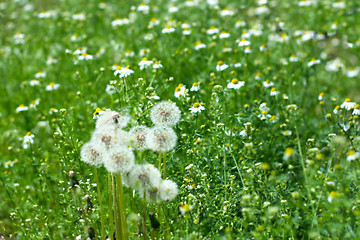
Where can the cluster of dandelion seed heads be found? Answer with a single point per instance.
(113, 147)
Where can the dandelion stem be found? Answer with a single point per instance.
(100, 203)
(121, 201)
(111, 214)
(118, 230)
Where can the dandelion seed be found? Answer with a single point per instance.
(196, 108)
(165, 113)
(119, 160)
(138, 135)
(161, 139)
(168, 190)
(91, 154)
(144, 177)
(113, 119)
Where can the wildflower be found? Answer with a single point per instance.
(110, 89)
(184, 208)
(264, 107)
(264, 115)
(221, 66)
(123, 72)
(168, 190)
(120, 22)
(51, 60)
(19, 38)
(274, 92)
(262, 48)
(321, 96)
(28, 140)
(289, 152)
(34, 82)
(338, 5)
(80, 51)
(352, 72)
(244, 43)
(98, 112)
(113, 119)
(34, 103)
(46, 14)
(144, 63)
(273, 119)
(144, 177)
(180, 91)
(153, 22)
(313, 61)
(356, 110)
(165, 113)
(185, 25)
(40, 75)
(52, 86)
(186, 31)
(212, 30)
(267, 83)
(199, 45)
(224, 35)
(287, 133)
(334, 65)
(85, 56)
(119, 160)
(196, 108)
(308, 35)
(53, 110)
(161, 139)
(173, 9)
(239, 24)
(352, 155)
(336, 110)
(248, 50)
(261, 10)
(226, 12)
(235, 84)
(243, 133)
(333, 195)
(195, 87)
(22, 108)
(129, 53)
(91, 154)
(168, 29)
(157, 65)
(293, 58)
(347, 104)
(138, 135)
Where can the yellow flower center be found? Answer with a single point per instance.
(195, 84)
(144, 59)
(337, 108)
(289, 151)
(118, 68)
(51, 84)
(220, 63)
(235, 81)
(322, 94)
(351, 152)
(196, 105)
(357, 106)
(334, 194)
(84, 54)
(177, 89)
(22, 105)
(28, 134)
(273, 89)
(347, 100)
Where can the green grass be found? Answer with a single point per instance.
(237, 187)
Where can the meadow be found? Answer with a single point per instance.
(182, 119)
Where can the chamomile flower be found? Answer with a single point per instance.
(180, 91)
(165, 113)
(52, 86)
(80, 51)
(293, 58)
(289, 152)
(110, 89)
(138, 135)
(168, 30)
(91, 154)
(333, 195)
(113, 119)
(149, 37)
(34, 103)
(19, 38)
(348, 104)
(85, 56)
(79, 16)
(274, 92)
(195, 87)
(224, 35)
(129, 53)
(334, 65)
(352, 155)
(235, 84)
(313, 62)
(267, 83)
(120, 22)
(40, 74)
(321, 96)
(243, 133)
(34, 82)
(226, 12)
(98, 112)
(352, 72)
(51, 60)
(264, 107)
(243, 43)
(28, 140)
(186, 32)
(196, 108)
(356, 110)
(123, 72)
(168, 190)
(173, 9)
(185, 25)
(261, 10)
(153, 22)
(157, 65)
(247, 50)
(287, 133)
(119, 160)
(144, 63)
(161, 139)
(337, 110)
(199, 45)
(221, 66)
(212, 30)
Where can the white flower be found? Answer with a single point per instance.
(264, 107)
(110, 89)
(51, 60)
(52, 86)
(352, 72)
(226, 12)
(186, 32)
(261, 10)
(161, 139)
(80, 51)
(120, 22)
(78, 16)
(243, 42)
(352, 155)
(199, 45)
(123, 72)
(113, 119)
(293, 58)
(185, 25)
(334, 65)
(313, 61)
(267, 83)
(180, 91)
(308, 35)
(34, 82)
(19, 38)
(85, 56)
(235, 84)
(243, 133)
(248, 50)
(28, 140)
(212, 30)
(168, 29)
(138, 135)
(149, 36)
(221, 66)
(119, 160)
(338, 5)
(173, 9)
(356, 110)
(196, 108)
(224, 35)
(157, 65)
(40, 75)
(168, 190)
(274, 92)
(143, 8)
(195, 87)
(347, 104)
(144, 63)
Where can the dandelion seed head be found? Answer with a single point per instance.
(165, 113)
(161, 139)
(168, 190)
(113, 118)
(91, 154)
(144, 177)
(138, 135)
(119, 160)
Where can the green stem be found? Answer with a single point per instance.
(121, 202)
(100, 202)
(111, 214)
(117, 225)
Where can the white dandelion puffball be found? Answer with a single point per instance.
(165, 113)
(143, 177)
(104, 137)
(113, 118)
(90, 153)
(119, 160)
(138, 135)
(168, 190)
(161, 139)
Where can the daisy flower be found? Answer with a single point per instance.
(110, 89)
(248, 50)
(293, 58)
(85, 56)
(235, 84)
(78, 16)
(168, 29)
(28, 140)
(196, 108)
(289, 152)
(356, 110)
(352, 155)
(352, 72)
(34, 82)
(199, 45)
(267, 83)
(195, 87)
(180, 91)
(186, 32)
(274, 92)
(52, 86)
(221, 66)
(313, 61)
(40, 75)
(263, 107)
(226, 12)
(243, 43)
(144, 63)
(157, 65)
(19, 38)
(347, 104)
(336, 110)
(212, 30)
(224, 35)
(143, 8)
